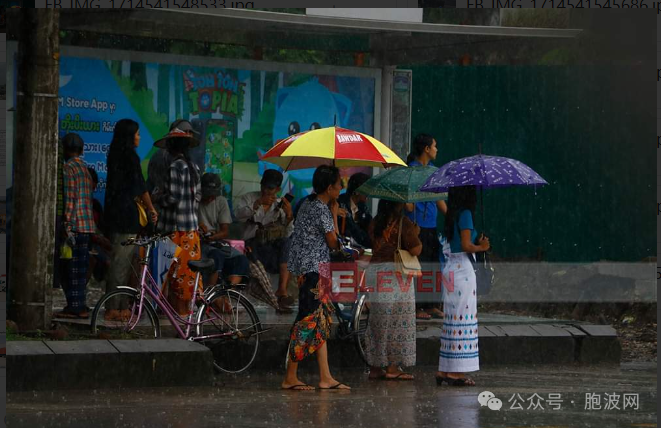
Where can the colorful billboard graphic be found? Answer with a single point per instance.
(240, 114)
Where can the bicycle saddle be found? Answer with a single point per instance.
(201, 265)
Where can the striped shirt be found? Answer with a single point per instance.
(180, 204)
(78, 212)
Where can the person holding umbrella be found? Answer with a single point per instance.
(315, 234)
(424, 214)
(460, 178)
(459, 343)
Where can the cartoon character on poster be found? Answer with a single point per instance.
(219, 144)
(302, 108)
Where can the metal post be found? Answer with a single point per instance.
(35, 167)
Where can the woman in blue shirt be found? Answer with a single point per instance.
(459, 345)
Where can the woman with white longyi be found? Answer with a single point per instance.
(459, 351)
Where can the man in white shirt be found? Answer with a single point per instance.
(214, 217)
(263, 210)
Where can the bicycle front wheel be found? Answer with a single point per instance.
(229, 326)
(117, 315)
(359, 325)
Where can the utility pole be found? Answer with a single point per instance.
(35, 170)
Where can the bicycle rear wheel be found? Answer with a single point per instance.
(360, 319)
(123, 323)
(234, 329)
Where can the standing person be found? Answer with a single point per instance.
(425, 214)
(180, 200)
(100, 246)
(390, 336)
(314, 235)
(357, 216)
(78, 226)
(459, 351)
(125, 183)
(263, 210)
(158, 169)
(215, 218)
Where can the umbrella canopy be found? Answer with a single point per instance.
(483, 171)
(331, 146)
(401, 184)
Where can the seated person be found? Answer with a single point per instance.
(263, 210)
(214, 218)
(357, 217)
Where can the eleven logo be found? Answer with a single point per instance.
(488, 399)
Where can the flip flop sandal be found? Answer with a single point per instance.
(71, 315)
(337, 387)
(299, 387)
(399, 376)
(455, 382)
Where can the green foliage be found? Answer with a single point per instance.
(259, 136)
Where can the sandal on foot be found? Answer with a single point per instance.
(337, 387)
(464, 381)
(299, 387)
(399, 376)
(436, 314)
(285, 301)
(71, 315)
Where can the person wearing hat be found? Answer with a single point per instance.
(159, 163)
(78, 225)
(178, 212)
(263, 209)
(215, 218)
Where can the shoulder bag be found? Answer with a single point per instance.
(405, 262)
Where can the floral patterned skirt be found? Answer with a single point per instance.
(313, 323)
(180, 281)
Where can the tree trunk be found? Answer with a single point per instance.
(35, 183)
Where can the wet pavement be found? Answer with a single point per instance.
(255, 400)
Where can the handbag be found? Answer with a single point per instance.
(405, 262)
(269, 233)
(142, 212)
(484, 272)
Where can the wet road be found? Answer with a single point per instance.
(254, 400)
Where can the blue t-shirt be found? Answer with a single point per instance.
(465, 221)
(425, 212)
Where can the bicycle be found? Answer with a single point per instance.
(225, 321)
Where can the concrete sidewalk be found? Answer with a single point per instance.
(504, 341)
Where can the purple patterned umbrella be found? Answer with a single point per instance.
(482, 171)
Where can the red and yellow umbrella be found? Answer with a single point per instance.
(331, 146)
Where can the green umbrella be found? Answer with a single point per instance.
(401, 184)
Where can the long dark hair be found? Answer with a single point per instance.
(386, 213)
(122, 152)
(420, 143)
(459, 199)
